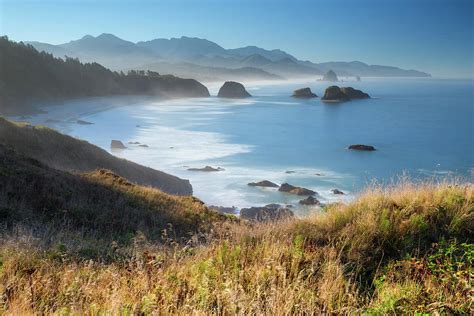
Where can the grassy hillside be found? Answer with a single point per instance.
(100, 204)
(67, 153)
(403, 250)
(28, 76)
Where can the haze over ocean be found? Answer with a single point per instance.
(417, 128)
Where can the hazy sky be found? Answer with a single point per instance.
(430, 35)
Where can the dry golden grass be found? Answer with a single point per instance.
(401, 250)
(63, 152)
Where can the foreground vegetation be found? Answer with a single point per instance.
(402, 250)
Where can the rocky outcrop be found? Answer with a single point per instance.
(304, 93)
(116, 144)
(233, 90)
(362, 147)
(74, 155)
(330, 76)
(81, 122)
(335, 93)
(337, 191)
(270, 212)
(354, 93)
(288, 188)
(310, 201)
(264, 183)
(224, 209)
(207, 169)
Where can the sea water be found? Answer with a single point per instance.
(421, 128)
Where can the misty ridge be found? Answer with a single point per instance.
(205, 60)
(29, 77)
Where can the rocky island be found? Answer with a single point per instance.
(288, 188)
(233, 90)
(206, 169)
(309, 201)
(337, 192)
(330, 76)
(304, 93)
(337, 94)
(362, 147)
(116, 144)
(264, 183)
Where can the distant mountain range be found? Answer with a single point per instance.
(207, 61)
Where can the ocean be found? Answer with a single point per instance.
(422, 130)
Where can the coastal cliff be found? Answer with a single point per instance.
(66, 153)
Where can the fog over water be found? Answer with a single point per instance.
(419, 126)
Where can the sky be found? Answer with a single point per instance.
(435, 36)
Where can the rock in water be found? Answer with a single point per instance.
(304, 93)
(362, 147)
(330, 76)
(207, 169)
(270, 212)
(358, 78)
(354, 93)
(334, 93)
(302, 191)
(337, 191)
(116, 144)
(233, 90)
(288, 188)
(264, 183)
(310, 201)
(81, 122)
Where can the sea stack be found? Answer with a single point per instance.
(233, 90)
(304, 93)
(335, 93)
(330, 76)
(310, 201)
(288, 188)
(362, 147)
(116, 144)
(354, 93)
(264, 183)
(207, 169)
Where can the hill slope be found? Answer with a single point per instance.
(67, 153)
(99, 202)
(27, 76)
(403, 251)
